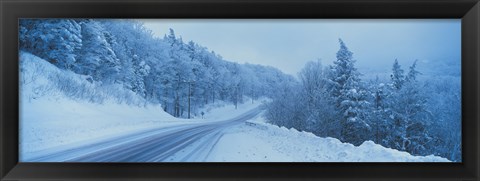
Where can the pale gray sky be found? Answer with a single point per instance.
(289, 44)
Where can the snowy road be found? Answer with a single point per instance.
(187, 143)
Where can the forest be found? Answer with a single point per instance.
(407, 112)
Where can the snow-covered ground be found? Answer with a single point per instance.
(257, 141)
(51, 119)
(47, 123)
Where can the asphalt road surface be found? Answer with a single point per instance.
(181, 143)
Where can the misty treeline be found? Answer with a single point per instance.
(403, 113)
(180, 76)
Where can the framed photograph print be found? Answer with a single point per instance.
(239, 90)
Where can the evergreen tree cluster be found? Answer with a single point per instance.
(399, 113)
(180, 76)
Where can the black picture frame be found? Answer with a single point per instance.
(12, 10)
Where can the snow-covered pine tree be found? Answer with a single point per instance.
(141, 70)
(409, 116)
(397, 75)
(96, 57)
(417, 117)
(123, 44)
(356, 128)
(181, 71)
(198, 93)
(412, 73)
(235, 92)
(56, 40)
(349, 96)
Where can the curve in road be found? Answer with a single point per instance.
(181, 143)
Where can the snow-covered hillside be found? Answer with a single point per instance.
(51, 118)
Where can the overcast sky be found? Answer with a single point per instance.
(289, 44)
